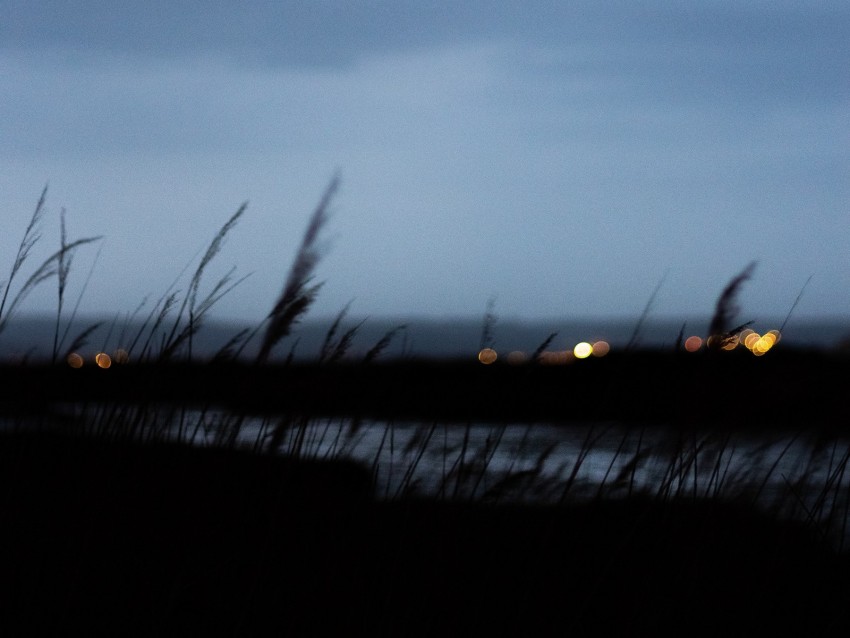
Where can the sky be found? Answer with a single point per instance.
(562, 159)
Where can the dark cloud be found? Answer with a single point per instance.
(742, 55)
(322, 32)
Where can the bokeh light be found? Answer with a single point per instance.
(601, 348)
(75, 360)
(692, 344)
(120, 356)
(487, 356)
(751, 339)
(760, 344)
(730, 343)
(583, 350)
(103, 360)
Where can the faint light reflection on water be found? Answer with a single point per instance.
(651, 458)
(794, 475)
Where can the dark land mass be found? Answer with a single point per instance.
(416, 337)
(104, 535)
(788, 388)
(108, 538)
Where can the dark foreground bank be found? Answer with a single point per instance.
(170, 540)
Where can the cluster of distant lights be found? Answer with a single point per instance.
(581, 350)
(101, 359)
(757, 344)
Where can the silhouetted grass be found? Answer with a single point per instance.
(727, 309)
(56, 265)
(298, 293)
(409, 497)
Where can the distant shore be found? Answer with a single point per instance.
(784, 388)
(423, 337)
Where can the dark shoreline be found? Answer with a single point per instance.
(788, 388)
(418, 337)
(163, 539)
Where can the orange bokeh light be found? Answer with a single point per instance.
(601, 348)
(692, 344)
(730, 343)
(487, 356)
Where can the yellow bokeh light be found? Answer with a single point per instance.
(762, 345)
(759, 344)
(601, 348)
(692, 344)
(75, 360)
(121, 356)
(103, 360)
(583, 350)
(487, 356)
(769, 338)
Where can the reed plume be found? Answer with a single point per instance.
(196, 310)
(335, 349)
(382, 344)
(727, 308)
(59, 264)
(487, 338)
(48, 268)
(298, 294)
(30, 238)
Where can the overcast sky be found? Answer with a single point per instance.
(560, 156)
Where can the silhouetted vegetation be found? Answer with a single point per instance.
(642, 492)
